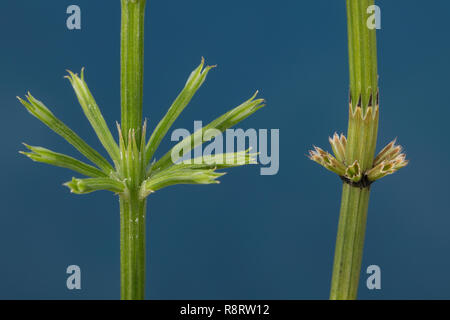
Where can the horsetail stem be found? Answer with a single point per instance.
(354, 156)
(134, 174)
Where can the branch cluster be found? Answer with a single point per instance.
(131, 169)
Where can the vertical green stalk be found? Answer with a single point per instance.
(132, 247)
(362, 136)
(133, 178)
(132, 64)
(132, 207)
(362, 49)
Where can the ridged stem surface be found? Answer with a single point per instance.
(132, 64)
(361, 136)
(132, 207)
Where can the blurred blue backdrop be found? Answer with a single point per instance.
(252, 236)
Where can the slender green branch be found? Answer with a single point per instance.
(132, 164)
(132, 64)
(353, 158)
(179, 175)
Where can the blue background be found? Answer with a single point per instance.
(252, 236)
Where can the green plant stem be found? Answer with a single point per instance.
(132, 64)
(349, 243)
(131, 156)
(362, 48)
(362, 136)
(132, 247)
(132, 207)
